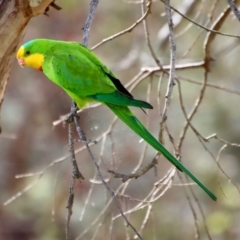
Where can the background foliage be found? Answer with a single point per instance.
(29, 141)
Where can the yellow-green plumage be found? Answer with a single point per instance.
(85, 78)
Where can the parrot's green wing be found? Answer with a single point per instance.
(119, 99)
(76, 73)
(85, 79)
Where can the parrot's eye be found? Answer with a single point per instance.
(27, 52)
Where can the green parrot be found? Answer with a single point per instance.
(77, 70)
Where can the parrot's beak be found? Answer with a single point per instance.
(20, 57)
(21, 62)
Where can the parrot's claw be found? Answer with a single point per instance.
(72, 114)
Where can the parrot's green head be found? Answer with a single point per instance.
(32, 53)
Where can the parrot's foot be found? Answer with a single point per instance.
(72, 114)
(76, 173)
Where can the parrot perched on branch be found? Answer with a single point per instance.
(77, 70)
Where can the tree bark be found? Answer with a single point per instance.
(14, 17)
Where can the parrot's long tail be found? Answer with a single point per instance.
(127, 117)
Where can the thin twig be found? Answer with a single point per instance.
(69, 208)
(137, 174)
(146, 31)
(86, 28)
(172, 70)
(127, 30)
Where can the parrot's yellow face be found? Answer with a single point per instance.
(27, 56)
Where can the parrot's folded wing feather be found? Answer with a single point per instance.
(120, 99)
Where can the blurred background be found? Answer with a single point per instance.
(34, 206)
